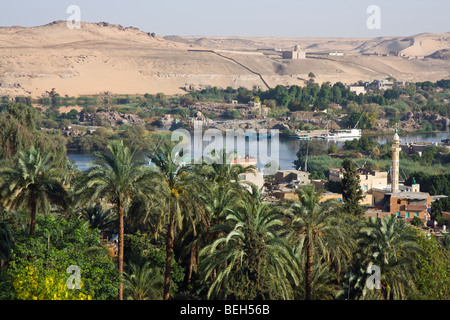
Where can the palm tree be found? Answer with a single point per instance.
(33, 184)
(224, 172)
(98, 217)
(217, 202)
(252, 260)
(318, 233)
(219, 193)
(141, 217)
(143, 282)
(70, 171)
(391, 244)
(323, 284)
(177, 188)
(118, 178)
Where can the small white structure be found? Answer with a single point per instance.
(357, 90)
(257, 177)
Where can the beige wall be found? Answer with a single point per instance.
(256, 178)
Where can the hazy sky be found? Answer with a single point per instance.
(279, 18)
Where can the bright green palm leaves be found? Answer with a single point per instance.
(250, 260)
(178, 191)
(391, 244)
(116, 178)
(143, 282)
(317, 234)
(33, 183)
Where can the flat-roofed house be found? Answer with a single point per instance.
(410, 204)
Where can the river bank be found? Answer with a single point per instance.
(287, 150)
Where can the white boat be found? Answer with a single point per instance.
(343, 134)
(301, 136)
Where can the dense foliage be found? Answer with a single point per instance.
(196, 232)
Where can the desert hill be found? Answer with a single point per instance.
(103, 57)
(418, 46)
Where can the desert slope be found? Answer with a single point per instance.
(420, 45)
(102, 57)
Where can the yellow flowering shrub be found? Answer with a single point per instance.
(33, 285)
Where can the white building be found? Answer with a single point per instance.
(357, 89)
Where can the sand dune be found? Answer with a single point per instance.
(415, 46)
(102, 57)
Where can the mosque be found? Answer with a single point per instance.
(397, 199)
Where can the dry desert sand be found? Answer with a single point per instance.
(101, 57)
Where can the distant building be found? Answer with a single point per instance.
(385, 84)
(257, 177)
(369, 179)
(397, 199)
(254, 104)
(297, 53)
(285, 194)
(296, 177)
(336, 53)
(357, 89)
(327, 195)
(319, 184)
(410, 204)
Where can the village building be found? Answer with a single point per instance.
(296, 177)
(357, 90)
(297, 53)
(256, 178)
(405, 202)
(369, 179)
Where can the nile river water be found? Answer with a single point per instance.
(287, 148)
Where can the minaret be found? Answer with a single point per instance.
(395, 161)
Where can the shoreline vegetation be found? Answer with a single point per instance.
(87, 122)
(196, 232)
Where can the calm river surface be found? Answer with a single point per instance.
(287, 148)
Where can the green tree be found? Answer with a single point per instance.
(416, 221)
(218, 195)
(18, 133)
(217, 202)
(318, 234)
(391, 245)
(351, 190)
(250, 260)
(143, 282)
(117, 177)
(40, 263)
(332, 149)
(99, 218)
(33, 184)
(177, 193)
(223, 171)
(433, 278)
